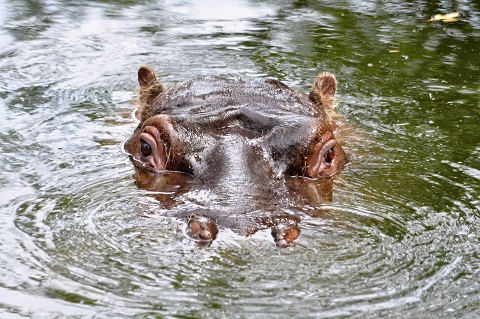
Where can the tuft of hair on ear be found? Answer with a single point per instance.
(150, 88)
(323, 90)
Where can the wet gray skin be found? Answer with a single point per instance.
(256, 151)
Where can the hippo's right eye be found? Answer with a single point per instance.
(145, 148)
(152, 151)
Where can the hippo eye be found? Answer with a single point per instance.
(326, 154)
(152, 153)
(329, 155)
(321, 161)
(145, 148)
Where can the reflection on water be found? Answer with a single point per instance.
(400, 235)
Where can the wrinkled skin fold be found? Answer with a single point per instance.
(257, 149)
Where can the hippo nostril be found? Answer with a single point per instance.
(284, 234)
(195, 226)
(206, 234)
(202, 229)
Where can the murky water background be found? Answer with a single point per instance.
(399, 240)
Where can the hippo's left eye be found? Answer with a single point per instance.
(322, 160)
(329, 155)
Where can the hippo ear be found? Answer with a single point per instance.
(146, 76)
(150, 88)
(323, 91)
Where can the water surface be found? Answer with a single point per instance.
(400, 237)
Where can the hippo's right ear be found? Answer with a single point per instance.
(146, 76)
(150, 88)
(323, 91)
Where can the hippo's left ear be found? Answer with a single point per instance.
(323, 90)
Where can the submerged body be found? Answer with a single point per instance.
(256, 150)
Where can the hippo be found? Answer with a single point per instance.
(248, 155)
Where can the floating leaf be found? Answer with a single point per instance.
(449, 17)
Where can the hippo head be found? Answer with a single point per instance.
(254, 150)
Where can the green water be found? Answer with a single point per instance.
(400, 238)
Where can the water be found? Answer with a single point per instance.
(400, 237)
